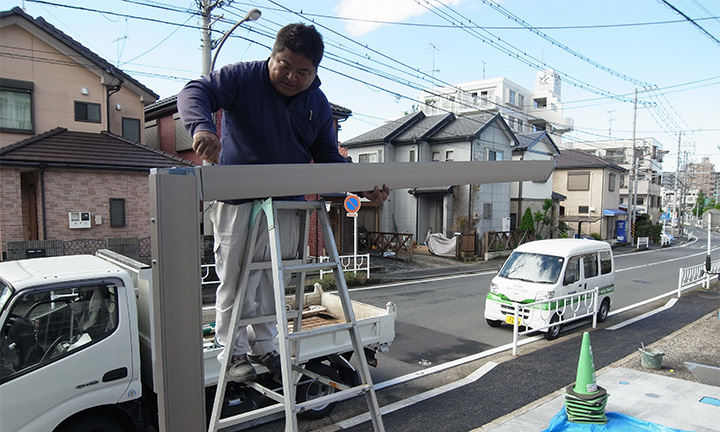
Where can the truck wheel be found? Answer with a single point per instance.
(554, 331)
(493, 323)
(93, 424)
(604, 310)
(315, 389)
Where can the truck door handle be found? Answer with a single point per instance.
(115, 374)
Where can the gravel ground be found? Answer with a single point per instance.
(698, 342)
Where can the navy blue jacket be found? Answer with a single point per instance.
(257, 125)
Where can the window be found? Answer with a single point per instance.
(493, 155)
(412, 157)
(183, 140)
(45, 326)
(590, 264)
(513, 98)
(371, 157)
(436, 156)
(487, 211)
(611, 182)
(572, 272)
(622, 181)
(605, 262)
(16, 106)
(583, 209)
(640, 201)
(151, 134)
(117, 212)
(87, 112)
(578, 181)
(449, 155)
(521, 100)
(131, 129)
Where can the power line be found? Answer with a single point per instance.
(679, 12)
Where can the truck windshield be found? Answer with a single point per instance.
(5, 294)
(532, 267)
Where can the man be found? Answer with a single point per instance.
(273, 113)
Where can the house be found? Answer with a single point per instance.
(592, 189)
(71, 164)
(530, 194)
(523, 110)
(646, 183)
(441, 138)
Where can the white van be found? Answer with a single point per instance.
(547, 269)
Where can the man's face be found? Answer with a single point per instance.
(291, 73)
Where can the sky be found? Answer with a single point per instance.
(380, 54)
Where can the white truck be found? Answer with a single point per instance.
(77, 352)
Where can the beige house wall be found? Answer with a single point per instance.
(597, 198)
(59, 79)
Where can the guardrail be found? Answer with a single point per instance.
(690, 277)
(580, 305)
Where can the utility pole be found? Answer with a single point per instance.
(633, 178)
(677, 181)
(206, 41)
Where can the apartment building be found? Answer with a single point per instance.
(523, 110)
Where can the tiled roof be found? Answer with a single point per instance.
(527, 140)
(570, 159)
(464, 127)
(76, 46)
(62, 148)
(387, 131)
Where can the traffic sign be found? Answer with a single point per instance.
(352, 204)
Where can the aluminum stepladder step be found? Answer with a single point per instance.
(289, 343)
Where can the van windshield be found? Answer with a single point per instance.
(532, 267)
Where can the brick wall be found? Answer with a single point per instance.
(11, 221)
(67, 191)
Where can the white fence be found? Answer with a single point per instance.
(350, 263)
(571, 307)
(690, 277)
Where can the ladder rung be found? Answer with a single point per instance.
(329, 265)
(277, 397)
(319, 331)
(255, 414)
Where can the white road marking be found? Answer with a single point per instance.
(620, 325)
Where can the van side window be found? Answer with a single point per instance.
(590, 264)
(606, 262)
(47, 325)
(572, 272)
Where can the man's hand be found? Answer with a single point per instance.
(207, 146)
(378, 194)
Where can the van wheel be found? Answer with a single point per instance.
(493, 323)
(604, 310)
(315, 389)
(554, 331)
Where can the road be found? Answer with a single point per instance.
(441, 320)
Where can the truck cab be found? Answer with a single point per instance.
(69, 353)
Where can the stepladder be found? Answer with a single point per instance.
(304, 386)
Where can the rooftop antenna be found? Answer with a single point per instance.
(434, 48)
(610, 123)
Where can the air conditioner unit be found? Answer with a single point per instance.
(79, 220)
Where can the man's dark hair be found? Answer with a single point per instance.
(301, 39)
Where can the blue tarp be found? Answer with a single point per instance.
(616, 423)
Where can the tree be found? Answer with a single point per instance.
(542, 219)
(527, 223)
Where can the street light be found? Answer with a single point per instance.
(252, 15)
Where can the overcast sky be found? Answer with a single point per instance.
(379, 53)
